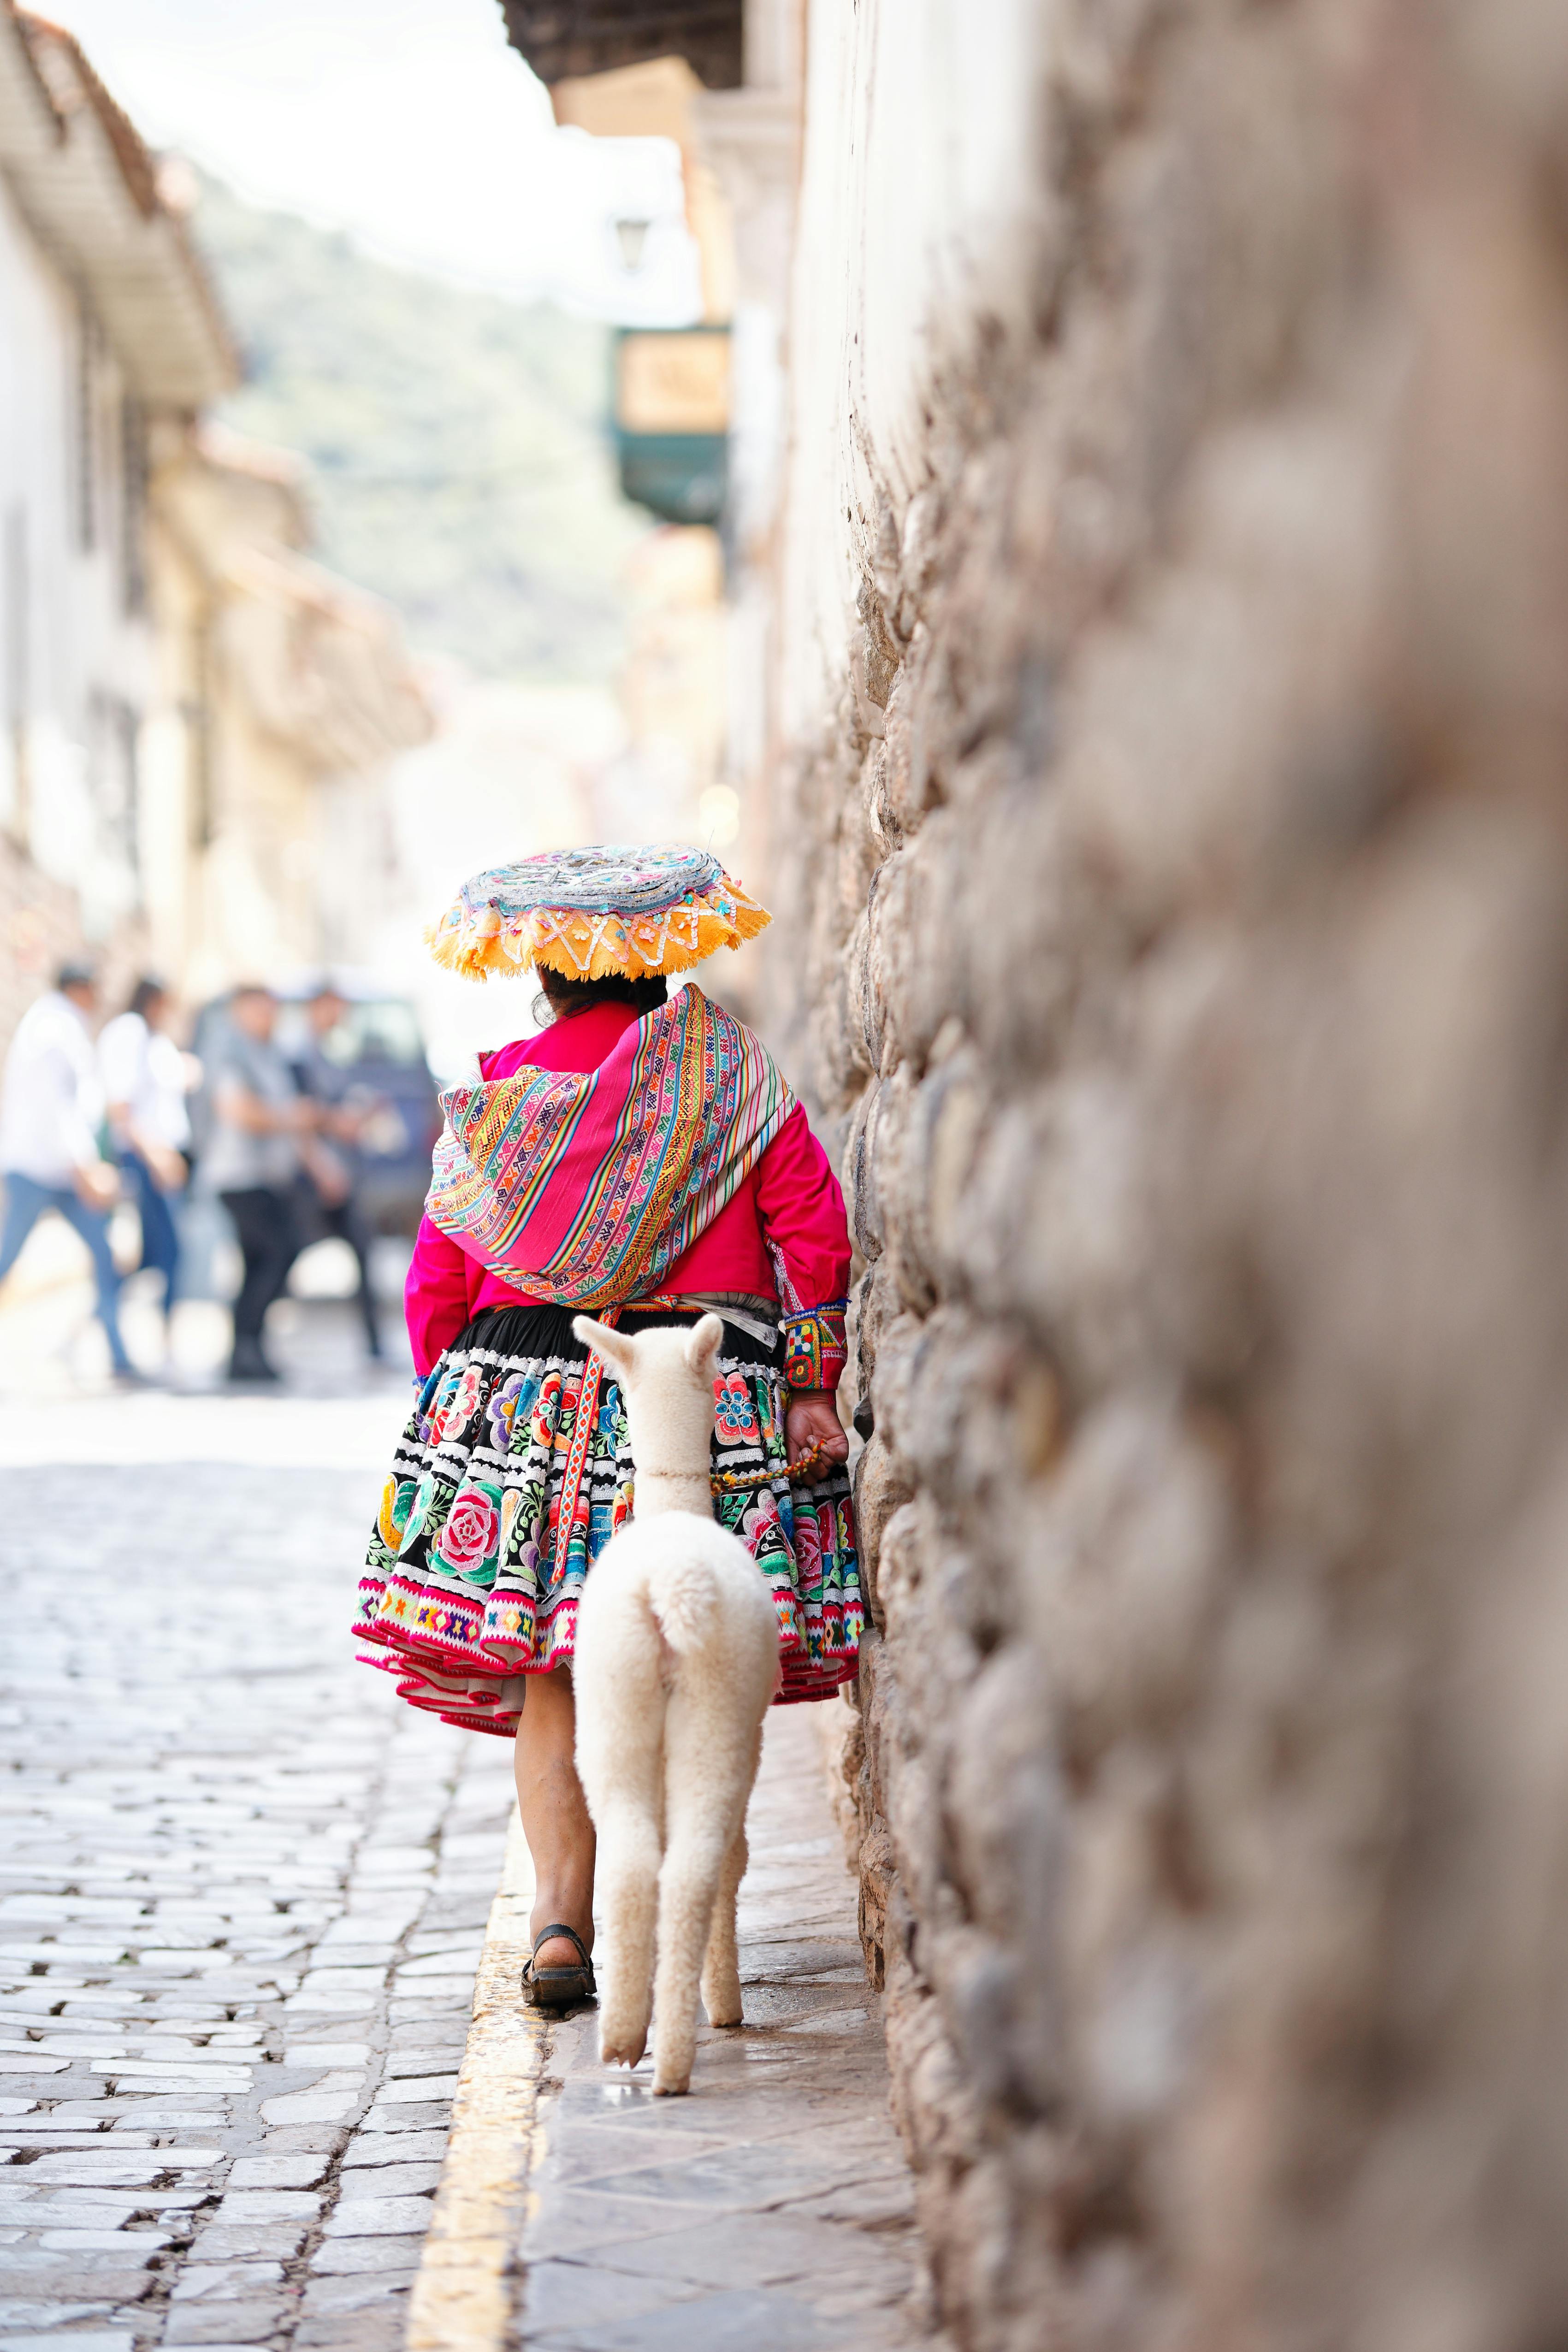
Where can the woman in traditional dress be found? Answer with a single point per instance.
(642, 1159)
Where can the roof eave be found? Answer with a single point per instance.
(93, 202)
(563, 39)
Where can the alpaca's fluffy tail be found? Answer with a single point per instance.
(684, 1597)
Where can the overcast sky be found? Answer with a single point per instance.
(408, 122)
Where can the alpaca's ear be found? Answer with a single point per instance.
(617, 1348)
(702, 1343)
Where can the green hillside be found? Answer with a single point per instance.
(457, 442)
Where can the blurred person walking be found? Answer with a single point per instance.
(252, 1162)
(328, 1184)
(143, 1074)
(51, 1109)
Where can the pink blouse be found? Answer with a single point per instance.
(791, 1199)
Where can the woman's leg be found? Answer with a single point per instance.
(94, 1227)
(556, 1817)
(25, 1204)
(159, 1237)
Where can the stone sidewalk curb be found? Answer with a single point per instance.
(578, 2212)
(462, 2297)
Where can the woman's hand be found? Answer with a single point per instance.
(168, 1168)
(97, 1184)
(811, 1420)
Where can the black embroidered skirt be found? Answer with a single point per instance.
(470, 1584)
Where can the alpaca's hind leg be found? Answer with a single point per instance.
(702, 1813)
(721, 1968)
(628, 1882)
(693, 1859)
(620, 1757)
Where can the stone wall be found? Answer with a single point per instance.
(1186, 876)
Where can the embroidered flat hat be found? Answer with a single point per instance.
(618, 908)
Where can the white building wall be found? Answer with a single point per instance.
(918, 221)
(74, 662)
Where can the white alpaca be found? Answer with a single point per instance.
(676, 1659)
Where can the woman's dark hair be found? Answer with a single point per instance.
(567, 997)
(147, 990)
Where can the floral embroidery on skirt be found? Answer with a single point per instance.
(466, 1589)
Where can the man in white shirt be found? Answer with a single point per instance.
(51, 1104)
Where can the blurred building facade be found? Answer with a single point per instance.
(1164, 742)
(108, 330)
(284, 695)
(196, 719)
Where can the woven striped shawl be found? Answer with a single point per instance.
(582, 1188)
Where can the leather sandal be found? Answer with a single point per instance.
(559, 1988)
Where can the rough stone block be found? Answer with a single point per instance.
(271, 2171)
(248, 2242)
(374, 2216)
(242, 2206)
(253, 2322)
(375, 2330)
(379, 2289)
(353, 2257)
(225, 2282)
(379, 2149)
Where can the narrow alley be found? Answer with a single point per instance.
(887, 673)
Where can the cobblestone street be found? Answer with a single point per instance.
(245, 1894)
(244, 1888)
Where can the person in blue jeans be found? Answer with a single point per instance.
(144, 1082)
(51, 1108)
